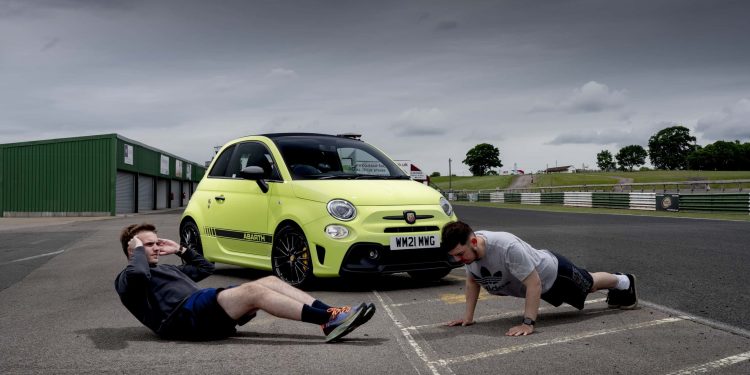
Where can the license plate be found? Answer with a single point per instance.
(415, 242)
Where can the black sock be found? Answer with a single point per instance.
(314, 315)
(320, 305)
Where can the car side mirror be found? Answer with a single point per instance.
(254, 172)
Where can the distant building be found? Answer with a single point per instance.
(99, 175)
(563, 169)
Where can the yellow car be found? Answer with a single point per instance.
(312, 205)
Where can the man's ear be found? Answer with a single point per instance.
(474, 241)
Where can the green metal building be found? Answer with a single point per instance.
(97, 175)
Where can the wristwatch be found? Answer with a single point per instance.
(528, 321)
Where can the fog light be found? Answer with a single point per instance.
(337, 231)
(373, 254)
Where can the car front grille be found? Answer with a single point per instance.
(411, 229)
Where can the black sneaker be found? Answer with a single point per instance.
(629, 298)
(615, 296)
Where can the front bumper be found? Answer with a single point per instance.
(359, 259)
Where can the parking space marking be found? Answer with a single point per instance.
(409, 338)
(33, 257)
(485, 318)
(560, 340)
(715, 365)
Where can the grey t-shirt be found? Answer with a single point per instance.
(507, 261)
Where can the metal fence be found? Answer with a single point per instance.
(649, 201)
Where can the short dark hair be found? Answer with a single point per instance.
(131, 231)
(455, 233)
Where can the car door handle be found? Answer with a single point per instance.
(220, 198)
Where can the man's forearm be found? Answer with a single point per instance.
(533, 299)
(472, 295)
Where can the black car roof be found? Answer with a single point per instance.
(282, 135)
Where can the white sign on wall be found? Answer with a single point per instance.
(164, 164)
(128, 154)
(178, 168)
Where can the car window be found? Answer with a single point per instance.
(220, 166)
(252, 154)
(321, 157)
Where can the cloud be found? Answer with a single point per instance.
(732, 123)
(591, 97)
(447, 25)
(420, 121)
(618, 137)
(281, 72)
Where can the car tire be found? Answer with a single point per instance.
(190, 236)
(430, 275)
(291, 259)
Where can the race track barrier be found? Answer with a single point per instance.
(732, 202)
(531, 198)
(577, 199)
(642, 201)
(715, 202)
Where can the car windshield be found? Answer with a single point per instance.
(324, 158)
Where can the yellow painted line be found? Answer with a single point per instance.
(454, 298)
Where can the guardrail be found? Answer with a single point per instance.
(736, 202)
(702, 186)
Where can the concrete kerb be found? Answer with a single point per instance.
(15, 223)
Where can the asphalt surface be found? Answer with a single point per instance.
(60, 313)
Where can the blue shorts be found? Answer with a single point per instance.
(571, 286)
(200, 317)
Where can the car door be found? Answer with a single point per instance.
(238, 216)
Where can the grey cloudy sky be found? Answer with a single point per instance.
(547, 82)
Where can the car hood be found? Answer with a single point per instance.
(367, 192)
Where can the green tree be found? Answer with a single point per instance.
(631, 156)
(435, 174)
(721, 156)
(605, 161)
(481, 158)
(669, 148)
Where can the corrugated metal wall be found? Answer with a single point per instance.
(72, 176)
(78, 176)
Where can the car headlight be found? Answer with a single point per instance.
(337, 231)
(447, 208)
(342, 210)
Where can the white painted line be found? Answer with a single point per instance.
(416, 302)
(700, 320)
(407, 335)
(486, 318)
(517, 348)
(34, 257)
(715, 365)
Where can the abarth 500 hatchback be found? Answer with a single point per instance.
(312, 205)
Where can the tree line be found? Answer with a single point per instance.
(673, 148)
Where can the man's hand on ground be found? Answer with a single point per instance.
(459, 322)
(520, 330)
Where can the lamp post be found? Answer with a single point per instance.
(450, 176)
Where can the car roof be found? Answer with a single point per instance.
(352, 136)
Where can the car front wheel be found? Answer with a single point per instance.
(291, 260)
(190, 237)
